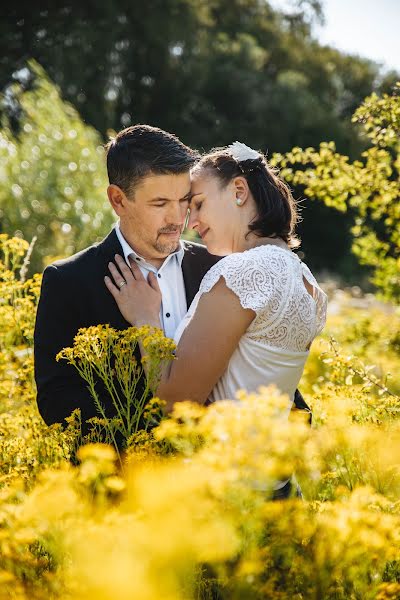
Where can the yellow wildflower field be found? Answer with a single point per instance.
(186, 511)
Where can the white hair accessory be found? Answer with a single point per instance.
(242, 152)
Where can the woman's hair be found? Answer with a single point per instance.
(277, 213)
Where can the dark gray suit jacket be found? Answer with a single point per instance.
(74, 295)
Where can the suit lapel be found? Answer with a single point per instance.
(108, 248)
(191, 281)
(196, 262)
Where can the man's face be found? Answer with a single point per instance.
(152, 218)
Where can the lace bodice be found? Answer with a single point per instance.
(269, 280)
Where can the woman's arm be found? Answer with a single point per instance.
(206, 346)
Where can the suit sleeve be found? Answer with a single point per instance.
(60, 389)
(300, 404)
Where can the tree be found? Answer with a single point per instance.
(369, 186)
(52, 173)
(211, 71)
(205, 69)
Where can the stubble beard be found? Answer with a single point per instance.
(167, 247)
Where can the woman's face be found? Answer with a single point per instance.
(212, 213)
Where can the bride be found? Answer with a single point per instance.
(258, 309)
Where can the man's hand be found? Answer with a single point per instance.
(138, 299)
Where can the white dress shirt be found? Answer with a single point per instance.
(170, 280)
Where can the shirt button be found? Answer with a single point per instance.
(158, 275)
(167, 314)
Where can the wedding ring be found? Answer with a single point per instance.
(121, 284)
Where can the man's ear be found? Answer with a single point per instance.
(117, 198)
(241, 188)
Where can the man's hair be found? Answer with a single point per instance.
(142, 150)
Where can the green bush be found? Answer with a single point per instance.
(52, 174)
(368, 187)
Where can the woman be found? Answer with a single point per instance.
(258, 309)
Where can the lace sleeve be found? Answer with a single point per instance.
(248, 277)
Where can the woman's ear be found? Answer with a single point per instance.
(241, 188)
(117, 198)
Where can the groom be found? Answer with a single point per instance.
(149, 190)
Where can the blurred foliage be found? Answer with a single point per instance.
(207, 70)
(210, 71)
(52, 173)
(369, 187)
(197, 522)
(26, 444)
(356, 359)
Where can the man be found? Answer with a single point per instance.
(149, 190)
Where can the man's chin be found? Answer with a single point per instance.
(166, 248)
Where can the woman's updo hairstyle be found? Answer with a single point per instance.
(277, 213)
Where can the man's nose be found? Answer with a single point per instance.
(177, 213)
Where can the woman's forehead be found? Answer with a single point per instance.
(202, 181)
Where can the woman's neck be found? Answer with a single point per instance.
(253, 241)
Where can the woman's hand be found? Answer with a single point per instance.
(138, 299)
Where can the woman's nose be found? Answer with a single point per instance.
(193, 220)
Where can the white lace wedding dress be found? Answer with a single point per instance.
(269, 280)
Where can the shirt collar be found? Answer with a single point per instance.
(127, 250)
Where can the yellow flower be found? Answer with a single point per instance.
(97, 452)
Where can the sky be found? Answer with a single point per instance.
(369, 28)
